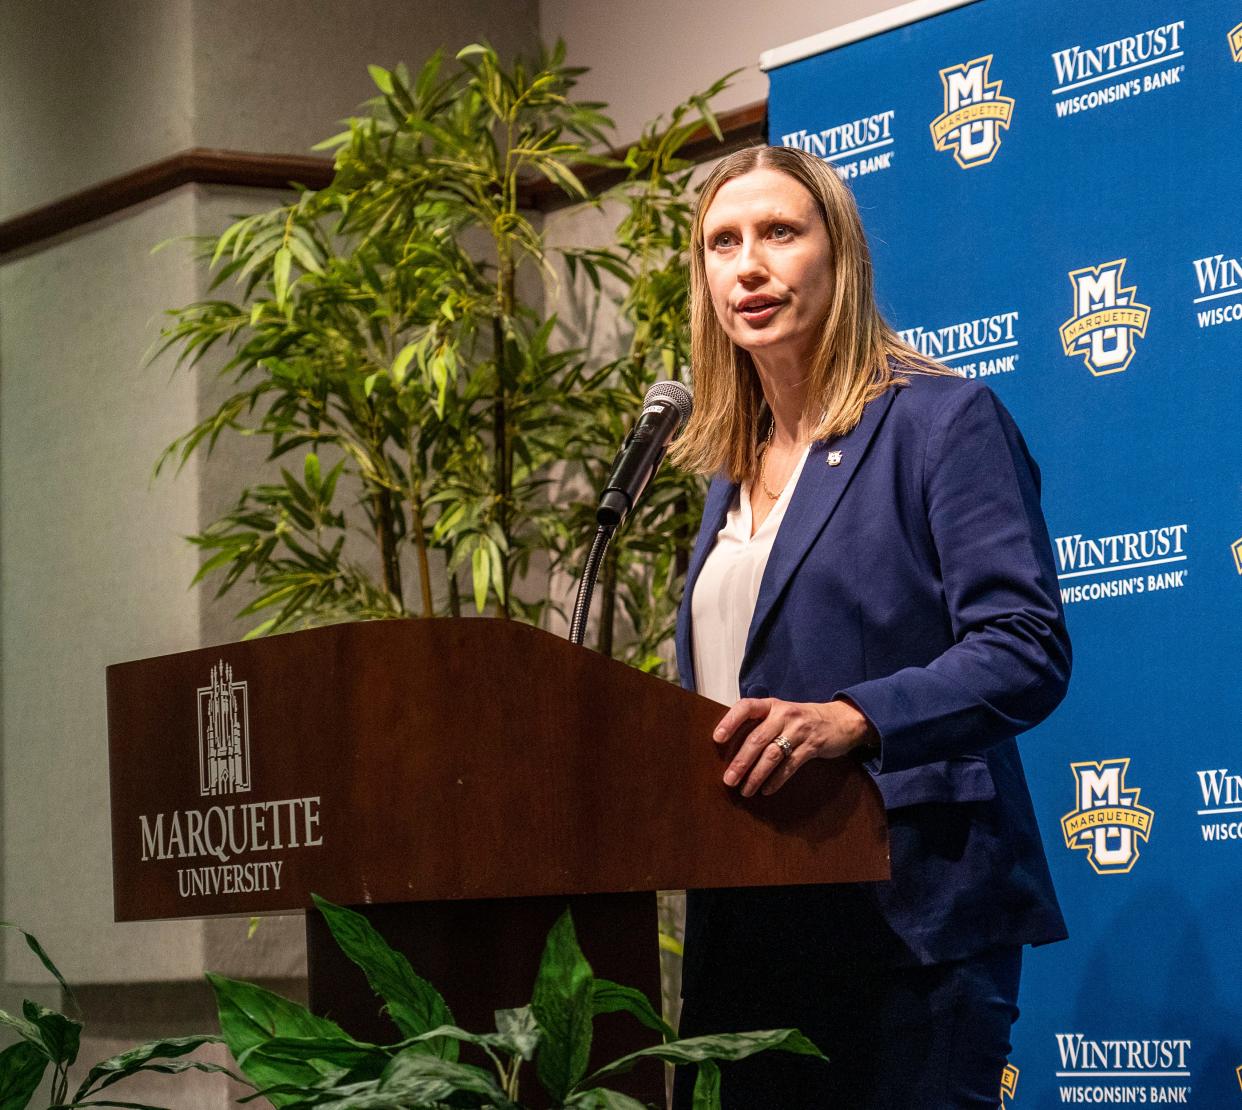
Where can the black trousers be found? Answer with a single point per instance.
(898, 1036)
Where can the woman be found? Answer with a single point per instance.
(873, 576)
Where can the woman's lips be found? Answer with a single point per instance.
(757, 311)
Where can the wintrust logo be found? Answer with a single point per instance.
(1235, 43)
(974, 113)
(1118, 70)
(977, 348)
(855, 148)
(1107, 318)
(1097, 567)
(1124, 1071)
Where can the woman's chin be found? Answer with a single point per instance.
(772, 343)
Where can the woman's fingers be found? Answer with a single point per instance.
(813, 730)
(752, 750)
(782, 774)
(769, 761)
(759, 763)
(746, 709)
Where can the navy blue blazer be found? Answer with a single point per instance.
(915, 577)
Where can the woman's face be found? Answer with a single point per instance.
(765, 251)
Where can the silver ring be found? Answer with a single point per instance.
(785, 746)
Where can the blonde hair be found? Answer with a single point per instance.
(851, 365)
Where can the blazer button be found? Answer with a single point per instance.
(757, 690)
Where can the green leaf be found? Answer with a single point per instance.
(480, 573)
(368, 384)
(401, 364)
(59, 1035)
(320, 1055)
(562, 1004)
(496, 573)
(410, 1069)
(44, 958)
(412, 1079)
(335, 140)
(310, 471)
(722, 1046)
(414, 1005)
(382, 78)
(25, 1029)
(609, 998)
(707, 1086)
(281, 265)
(517, 1031)
(250, 1016)
(21, 1071)
(512, 1041)
(152, 1056)
(472, 50)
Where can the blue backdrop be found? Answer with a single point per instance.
(1053, 194)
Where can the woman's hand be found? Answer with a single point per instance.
(813, 730)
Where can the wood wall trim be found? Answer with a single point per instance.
(741, 127)
(198, 166)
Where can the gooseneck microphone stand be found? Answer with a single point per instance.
(586, 584)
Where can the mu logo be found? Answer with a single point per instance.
(1108, 821)
(974, 113)
(1106, 318)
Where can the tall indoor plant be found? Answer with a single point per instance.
(387, 335)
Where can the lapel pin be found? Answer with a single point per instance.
(834, 458)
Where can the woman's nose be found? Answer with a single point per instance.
(751, 263)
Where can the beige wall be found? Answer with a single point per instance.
(646, 55)
(91, 566)
(89, 91)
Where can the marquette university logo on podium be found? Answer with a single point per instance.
(1108, 822)
(232, 846)
(223, 734)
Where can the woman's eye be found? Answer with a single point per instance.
(724, 239)
(781, 231)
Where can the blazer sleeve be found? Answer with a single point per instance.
(1009, 664)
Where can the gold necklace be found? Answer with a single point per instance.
(763, 466)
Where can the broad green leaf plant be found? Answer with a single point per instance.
(48, 1039)
(297, 1060)
(393, 339)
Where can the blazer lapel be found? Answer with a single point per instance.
(814, 500)
(720, 496)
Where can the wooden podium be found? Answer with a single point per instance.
(460, 781)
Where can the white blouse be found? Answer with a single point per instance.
(728, 588)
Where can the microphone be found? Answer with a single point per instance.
(665, 408)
